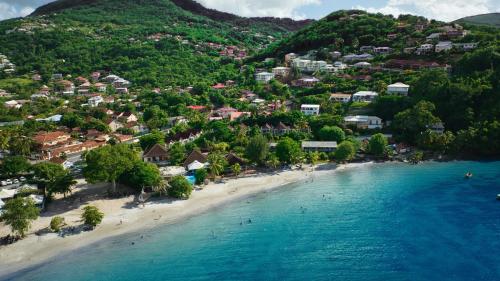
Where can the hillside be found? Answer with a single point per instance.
(492, 19)
(192, 6)
(151, 42)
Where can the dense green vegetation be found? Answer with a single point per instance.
(492, 19)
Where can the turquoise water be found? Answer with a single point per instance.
(191, 179)
(375, 222)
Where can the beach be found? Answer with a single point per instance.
(125, 216)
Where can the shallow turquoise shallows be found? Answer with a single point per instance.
(374, 222)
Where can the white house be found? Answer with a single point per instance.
(281, 71)
(362, 64)
(364, 96)
(339, 97)
(443, 46)
(398, 88)
(95, 101)
(319, 146)
(264, 77)
(424, 49)
(310, 109)
(364, 121)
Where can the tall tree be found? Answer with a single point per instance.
(377, 145)
(257, 149)
(19, 213)
(107, 163)
(14, 165)
(216, 164)
(289, 151)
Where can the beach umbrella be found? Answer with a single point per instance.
(196, 165)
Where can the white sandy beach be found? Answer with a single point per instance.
(37, 249)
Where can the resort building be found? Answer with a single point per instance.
(364, 121)
(364, 96)
(319, 146)
(310, 109)
(443, 46)
(398, 88)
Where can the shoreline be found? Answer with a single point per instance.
(36, 250)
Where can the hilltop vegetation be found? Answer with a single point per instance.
(492, 19)
(151, 42)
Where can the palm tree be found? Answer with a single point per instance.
(4, 140)
(161, 188)
(21, 145)
(216, 164)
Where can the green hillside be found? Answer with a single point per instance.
(492, 19)
(150, 42)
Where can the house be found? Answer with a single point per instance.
(355, 58)
(101, 87)
(433, 36)
(185, 136)
(238, 114)
(114, 125)
(424, 49)
(95, 76)
(340, 97)
(51, 138)
(465, 46)
(319, 146)
(57, 76)
(290, 57)
(266, 129)
(67, 87)
(281, 129)
(364, 96)
(233, 159)
(307, 82)
(128, 117)
(398, 88)
(225, 112)
(443, 46)
(95, 101)
(195, 155)
(310, 109)
(365, 49)
(121, 90)
(382, 50)
(81, 80)
(156, 154)
(362, 65)
(197, 107)
(437, 128)
(364, 122)
(219, 86)
(281, 71)
(264, 77)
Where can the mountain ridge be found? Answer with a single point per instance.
(489, 19)
(194, 7)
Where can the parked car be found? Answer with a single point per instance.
(15, 181)
(22, 179)
(9, 182)
(3, 183)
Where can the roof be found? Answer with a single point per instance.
(310, 105)
(43, 137)
(319, 144)
(196, 107)
(360, 118)
(156, 150)
(340, 95)
(366, 93)
(232, 159)
(195, 155)
(399, 85)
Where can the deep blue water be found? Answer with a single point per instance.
(376, 222)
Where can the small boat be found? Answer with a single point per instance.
(498, 196)
(468, 175)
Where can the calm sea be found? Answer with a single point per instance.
(373, 222)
